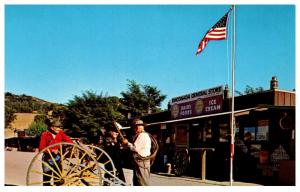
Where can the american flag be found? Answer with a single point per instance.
(217, 32)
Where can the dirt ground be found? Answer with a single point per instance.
(16, 165)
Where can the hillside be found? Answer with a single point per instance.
(10, 97)
(24, 104)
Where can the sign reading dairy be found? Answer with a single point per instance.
(199, 103)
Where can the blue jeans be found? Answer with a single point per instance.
(54, 170)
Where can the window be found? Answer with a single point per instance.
(262, 133)
(249, 134)
(224, 132)
(207, 133)
(181, 134)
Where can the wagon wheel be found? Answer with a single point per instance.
(181, 162)
(71, 164)
(105, 162)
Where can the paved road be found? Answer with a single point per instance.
(163, 180)
(17, 163)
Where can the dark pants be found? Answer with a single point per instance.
(116, 155)
(50, 173)
(141, 173)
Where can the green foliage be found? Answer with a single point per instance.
(141, 100)
(24, 104)
(239, 93)
(85, 115)
(9, 115)
(40, 118)
(36, 128)
(153, 98)
(250, 90)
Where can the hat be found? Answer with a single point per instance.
(56, 123)
(112, 129)
(53, 122)
(138, 122)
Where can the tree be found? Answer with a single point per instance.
(58, 111)
(40, 118)
(85, 115)
(153, 99)
(36, 128)
(9, 115)
(250, 90)
(141, 100)
(24, 104)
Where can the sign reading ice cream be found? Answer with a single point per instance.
(199, 103)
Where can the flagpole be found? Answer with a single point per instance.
(217, 32)
(232, 100)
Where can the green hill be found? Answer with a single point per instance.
(24, 104)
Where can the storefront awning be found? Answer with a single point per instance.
(237, 113)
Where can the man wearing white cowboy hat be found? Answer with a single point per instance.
(141, 148)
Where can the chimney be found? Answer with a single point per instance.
(274, 83)
(226, 92)
(169, 105)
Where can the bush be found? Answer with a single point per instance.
(40, 118)
(36, 128)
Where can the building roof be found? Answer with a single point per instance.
(269, 99)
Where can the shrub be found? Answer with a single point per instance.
(36, 128)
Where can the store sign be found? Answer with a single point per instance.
(199, 103)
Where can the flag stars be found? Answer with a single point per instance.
(217, 32)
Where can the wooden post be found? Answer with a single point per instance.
(203, 165)
(203, 160)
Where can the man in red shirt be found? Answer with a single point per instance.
(54, 135)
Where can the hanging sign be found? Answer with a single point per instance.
(199, 103)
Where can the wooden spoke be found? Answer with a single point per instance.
(108, 170)
(106, 162)
(47, 165)
(54, 161)
(77, 166)
(77, 163)
(99, 156)
(69, 162)
(42, 182)
(61, 159)
(83, 170)
(38, 172)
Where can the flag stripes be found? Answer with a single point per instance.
(217, 32)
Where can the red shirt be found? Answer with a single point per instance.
(48, 139)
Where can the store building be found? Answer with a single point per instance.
(264, 134)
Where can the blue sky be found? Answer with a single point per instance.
(57, 52)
